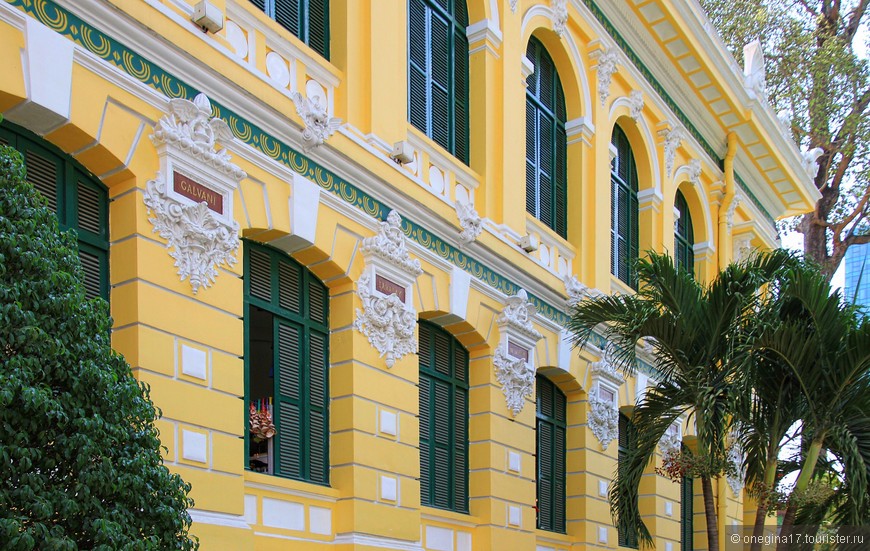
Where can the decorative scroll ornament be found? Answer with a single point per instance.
(673, 138)
(201, 235)
(515, 378)
(469, 221)
(671, 440)
(388, 318)
(635, 104)
(742, 247)
(190, 128)
(753, 69)
(514, 357)
(694, 171)
(200, 241)
(577, 291)
(606, 59)
(560, 16)
(735, 457)
(732, 208)
(603, 417)
(514, 5)
(811, 160)
(319, 126)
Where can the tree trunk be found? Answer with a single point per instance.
(803, 481)
(761, 512)
(710, 514)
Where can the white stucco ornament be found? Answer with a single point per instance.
(735, 457)
(190, 200)
(732, 208)
(753, 69)
(603, 418)
(673, 137)
(694, 171)
(577, 291)
(319, 126)
(606, 59)
(469, 221)
(811, 160)
(514, 5)
(635, 104)
(514, 358)
(672, 440)
(560, 16)
(387, 317)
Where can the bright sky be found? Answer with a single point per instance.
(794, 241)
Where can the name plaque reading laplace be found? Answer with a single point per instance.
(387, 287)
(518, 351)
(198, 192)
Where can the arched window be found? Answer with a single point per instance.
(308, 20)
(438, 72)
(684, 235)
(546, 142)
(80, 200)
(286, 362)
(623, 210)
(687, 512)
(443, 420)
(627, 441)
(550, 458)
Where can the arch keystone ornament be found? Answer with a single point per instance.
(603, 417)
(319, 126)
(607, 59)
(514, 357)
(191, 198)
(388, 318)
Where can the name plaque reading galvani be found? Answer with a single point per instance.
(198, 192)
(518, 351)
(387, 287)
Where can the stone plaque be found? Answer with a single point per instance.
(197, 192)
(388, 287)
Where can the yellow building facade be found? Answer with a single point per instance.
(325, 253)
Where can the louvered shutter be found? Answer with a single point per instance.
(287, 15)
(550, 458)
(318, 26)
(317, 405)
(261, 4)
(559, 451)
(561, 184)
(441, 468)
(439, 33)
(94, 266)
(259, 274)
(545, 172)
(687, 513)
(425, 437)
(460, 91)
(684, 238)
(418, 105)
(45, 173)
(460, 432)
(545, 475)
(531, 158)
(288, 399)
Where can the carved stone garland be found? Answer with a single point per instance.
(201, 235)
(560, 16)
(514, 6)
(603, 416)
(514, 357)
(635, 104)
(673, 138)
(606, 59)
(694, 171)
(388, 318)
(319, 126)
(735, 457)
(671, 441)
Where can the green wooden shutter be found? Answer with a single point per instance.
(687, 513)
(460, 93)
(440, 54)
(624, 211)
(418, 68)
(684, 236)
(550, 457)
(261, 4)
(443, 420)
(288, 399)
(318, 26)
(318, 397)
(259, 274)
(286, 14)
(531, 158)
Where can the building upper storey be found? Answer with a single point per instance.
(437, 108)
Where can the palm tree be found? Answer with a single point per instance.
(825, 348)
(694, 330)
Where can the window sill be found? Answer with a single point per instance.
(619, 286)
(553, 537)
(291, 487)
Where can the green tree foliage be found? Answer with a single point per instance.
(80, 463)
(815, 81)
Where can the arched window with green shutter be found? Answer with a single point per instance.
(627, 441)
(546, 142)
(308, 20)
(623, 210)
(443, 420)
(80, 200)
(684, 235)
(551, 423)
(438, 72)
(286, 366)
